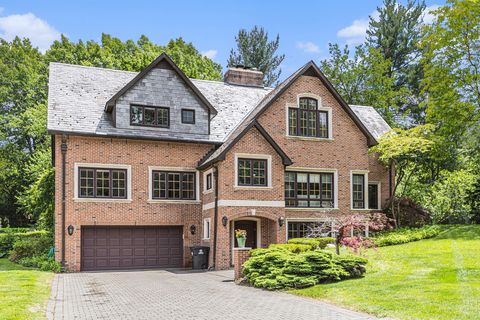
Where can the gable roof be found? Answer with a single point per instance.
(310, 69)
(162, 59)
(254, 124)
(77, 96)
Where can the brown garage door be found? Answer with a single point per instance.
(111, 248)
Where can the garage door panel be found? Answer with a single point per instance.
(106, 248)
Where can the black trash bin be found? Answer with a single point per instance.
(199, 257)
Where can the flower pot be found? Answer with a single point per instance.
(241, 242)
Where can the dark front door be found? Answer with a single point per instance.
(251, 227)
(114, 248)
(373, 196)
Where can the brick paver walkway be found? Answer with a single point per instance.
(162, 294)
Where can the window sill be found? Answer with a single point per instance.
(309, 209)
(357, 209)
(152, 201)
(240, 188)
(310, 138)
(206, 239)
(208, 191)
(98, 200)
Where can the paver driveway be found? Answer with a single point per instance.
(162, 294)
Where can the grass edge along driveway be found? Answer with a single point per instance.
(437, 278)
(24, 292)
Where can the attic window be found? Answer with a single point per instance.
(149, 116)
(308, 120)
(188, 116)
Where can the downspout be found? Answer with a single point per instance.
(215, 219)
(63, 149)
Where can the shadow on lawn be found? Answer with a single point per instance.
(460, 232)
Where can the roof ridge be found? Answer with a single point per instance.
(91, 67)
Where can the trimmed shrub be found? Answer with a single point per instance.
(405, 235)
(30, 244)
(7, 239)
(292, 247)
(314, 243)
(275, 268)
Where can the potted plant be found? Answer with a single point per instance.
(241, 236)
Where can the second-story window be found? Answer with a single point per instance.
(209, 181)
(173, 185)
(188, 116)
(307, 120)
(252, 172)
(304, 189)
(149, 116)
(102, 183)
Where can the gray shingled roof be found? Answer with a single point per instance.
(77, 96)
(374, 122)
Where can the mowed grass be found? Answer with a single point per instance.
(438, 278)
(24, 292)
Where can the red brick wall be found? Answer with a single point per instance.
(139, 211)
(239, 258)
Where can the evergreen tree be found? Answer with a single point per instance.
(255, 50)
(396, 33)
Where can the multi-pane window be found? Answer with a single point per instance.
(358, 191)
(373, 193)
(188, 116)
(252, 172)
(206, 228)
(309, 229)
(307, 120)
(304, 189)
(209, 181)
(173, 185)
(102, 183)
(149, 116)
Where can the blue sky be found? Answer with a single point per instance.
(305, 27)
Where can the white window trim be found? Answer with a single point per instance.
(78, 165)
(206, 235)
(173, 169)
(254, 156)
(335, 187)
(320, 108)
(379, 196)
(365, 187)
(205, 174)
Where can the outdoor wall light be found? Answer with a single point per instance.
(224, 221)
(70, 230)
(193, 229)
(281, 221)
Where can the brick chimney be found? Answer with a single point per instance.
(244, 76)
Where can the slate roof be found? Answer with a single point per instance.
(77, 97)
(372, 120)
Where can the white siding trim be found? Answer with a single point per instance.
(208, 206)
(77, 165)
(251, 203)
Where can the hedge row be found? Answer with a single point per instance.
(29, 249)
(405, 235)
(314, 243)
(281, 267)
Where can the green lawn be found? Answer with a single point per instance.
(437, 278)
(24, 292)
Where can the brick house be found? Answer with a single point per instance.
(151, 163)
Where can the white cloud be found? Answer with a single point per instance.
(308, 47)
(40, 33)
(357, 31)
(211, 54)
(428, 17)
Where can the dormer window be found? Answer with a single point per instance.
(149, 116)
(307, 120)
